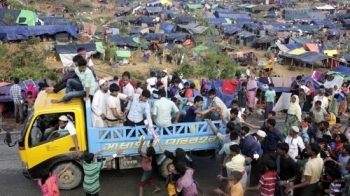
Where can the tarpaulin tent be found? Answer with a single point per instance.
(10, 17)
(171, 37)
(24, 32)
(55, 21)
(122, 41)
(154, 36)
(217, 20)
(230, 29)
(67, 52)
(308, 57)
(167, 27)
(6, 97)
(194, 6)
(122, 54)
(342, 70)
(184, 19)
(153, 10)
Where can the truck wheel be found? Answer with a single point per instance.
(162, 168)
(69, 179)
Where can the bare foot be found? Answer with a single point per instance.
(49, 90)
(156, 190)
(55, 101)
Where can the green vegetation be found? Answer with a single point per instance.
(27, 61)
(207, 68)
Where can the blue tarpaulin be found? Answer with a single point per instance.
(230, 29)
(71, 49)
(5, 89)
(122, 41)
(55, 21)
(342, 70)
(154, 36)
(24, 32)
(177, 37)
(153, 10)
(184, 19)
(167, 28)
(217, 20)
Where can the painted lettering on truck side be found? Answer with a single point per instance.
(167, 142)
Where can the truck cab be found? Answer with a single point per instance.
(54, 152)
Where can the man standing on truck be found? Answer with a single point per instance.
(128, 88)
(163, 109)
(16, 95)
(136, 108)
(82, 88)
(99, 105)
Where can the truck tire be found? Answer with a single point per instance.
(162, 168)
(69, 179)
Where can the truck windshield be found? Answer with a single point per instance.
(25, 125)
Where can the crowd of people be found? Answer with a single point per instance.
(310, 155)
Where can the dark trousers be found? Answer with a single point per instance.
(311, 189)
(268, 108)
(257, 170)
(133, 124)
(88, 194)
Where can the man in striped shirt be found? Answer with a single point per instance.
(92, 170)
(267, 183)
(16, 95)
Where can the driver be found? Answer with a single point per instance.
(64, 125)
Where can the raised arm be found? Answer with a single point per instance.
(64, 169)
(119, 152)
(202, 112)
(212, 128)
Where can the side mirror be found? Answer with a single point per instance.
(8, 139)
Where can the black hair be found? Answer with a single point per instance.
(235, 148)
(114, 87)
(192, 85)
(347, 148)
(271, 85)
(181, 168)
(180, 154)
(273, 113)
(234, 102)
(302, 81)
(322, 141)
(305, 154)
(152, 74)
(234, 111)
(161, 93)
(315, 148)
(318, 102)
(150, 151)
(231, 126)
(88, 157)
(330, 165)
(245, 129)
(211, 92)
(334, 174)
(44, 175)
(308, 120)
(138, 84)
(80, 49)
(146, 93)
(324, 123)
(233, 135)
(177, 81)
(115, 78)
(271, 165)
(283, 146)
(337, 120)
(343, 138)
(76, 58)
(186, 83)
(237, 175)
(198, 99)
(82, 62)
(126, 74)
(16, 80)
(328, 138)
(271, 122)
(299, 77)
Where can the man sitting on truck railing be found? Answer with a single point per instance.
(193, 111)
(162, 110)
(136, 108)
(82, 88)
(99, 105)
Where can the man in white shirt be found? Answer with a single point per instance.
(162, 110)
(217, 102)
(115, 116)
(247, 71)
(128, 89)
(151, 82)
(321, 97)
(136, 108)
(99, 105)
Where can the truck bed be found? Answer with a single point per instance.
(194, 136)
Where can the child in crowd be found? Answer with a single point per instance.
(304, 135)
(171, 180)
(92, 170)
(302, 99)
(29, 102)
(185, 184)
(146, 164)
(267, 183)
(48, 182)
(236, 188)
(335, 187)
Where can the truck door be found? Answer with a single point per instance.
(45, 142)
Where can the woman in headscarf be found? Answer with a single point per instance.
(31, 89)
(293, 115)
(252, 87)
(343, 104)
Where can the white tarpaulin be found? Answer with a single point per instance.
(67, 59)
(283, 102)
